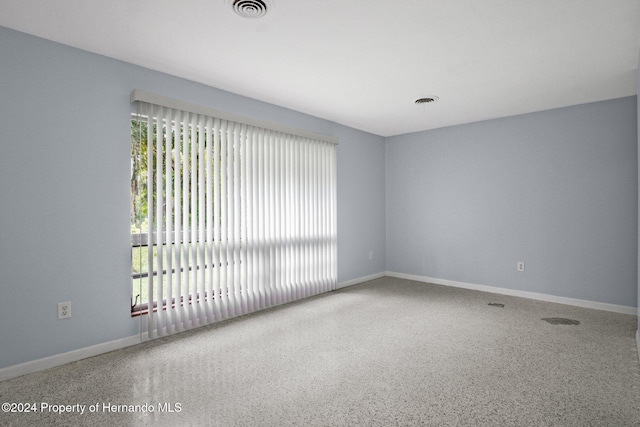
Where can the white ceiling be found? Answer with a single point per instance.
(363, 63)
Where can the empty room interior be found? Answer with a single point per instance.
(279, 212)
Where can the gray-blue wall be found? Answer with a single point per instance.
(64, 192)
(556, 189)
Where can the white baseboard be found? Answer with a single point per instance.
(361, 280)
(94, 350)
(68, 357)
(523, 294)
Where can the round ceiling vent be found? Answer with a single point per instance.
(427, 99)
(251, 8)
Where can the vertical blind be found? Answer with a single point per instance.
(239, 217)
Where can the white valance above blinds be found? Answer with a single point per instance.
(150, 98)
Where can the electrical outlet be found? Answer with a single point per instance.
(64, 310)
(520, 265)
(371, 255)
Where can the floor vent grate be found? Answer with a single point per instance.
(561, 321)
(496, 304)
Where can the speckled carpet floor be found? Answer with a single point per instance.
(387, 352)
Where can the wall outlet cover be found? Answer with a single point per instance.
(64, 310)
